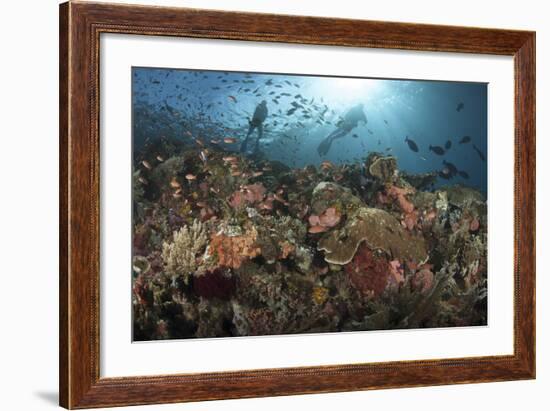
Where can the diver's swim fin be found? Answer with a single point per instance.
(324, 147)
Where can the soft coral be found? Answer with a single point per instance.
(368, 272)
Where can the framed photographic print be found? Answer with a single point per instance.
(257, 205)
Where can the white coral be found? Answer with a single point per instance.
(180, 256)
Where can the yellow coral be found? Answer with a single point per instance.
(320, 295)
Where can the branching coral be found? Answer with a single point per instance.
(424, 305)
(181, 255)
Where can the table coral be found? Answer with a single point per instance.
(380, 231)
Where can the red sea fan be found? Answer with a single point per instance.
(368, 273)
(214, 284)
(330, 217)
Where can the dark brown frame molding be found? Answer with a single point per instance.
(80, 27)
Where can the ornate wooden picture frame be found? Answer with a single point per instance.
(81, 25)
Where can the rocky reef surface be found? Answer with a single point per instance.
(227, 245)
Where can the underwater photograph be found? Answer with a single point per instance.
(272, 204)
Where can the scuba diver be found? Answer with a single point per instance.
(260, 114)
(348, 123)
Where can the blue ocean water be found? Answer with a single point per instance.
(302, 110)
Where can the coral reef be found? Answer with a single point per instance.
(380, 231)
(229, 245)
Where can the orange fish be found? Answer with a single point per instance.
(229, 140)
(266, 205)
(146, 165)
(191, 177)
(280, 199)
(174, 183)
(159, 158)
(317, 229)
